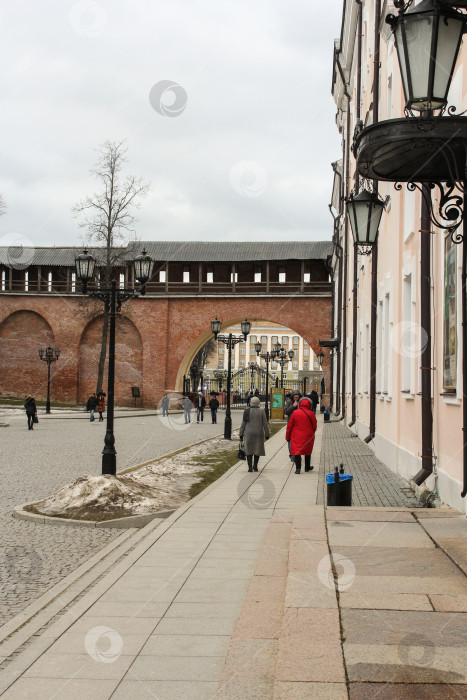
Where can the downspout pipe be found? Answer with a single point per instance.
(355, 248)
(426, 360)
(338, 304)
(343, 335)
(464, 346)
(374, 254)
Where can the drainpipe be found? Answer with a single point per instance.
(343, 336)
(355, 248)
(425, 320)
(336, 329)
(374, 254)
(464, 347)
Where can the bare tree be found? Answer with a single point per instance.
(199, 361)
(107, 216)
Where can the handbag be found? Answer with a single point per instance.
(35, 419)
(241, 450)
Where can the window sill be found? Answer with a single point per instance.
(407, 394)
(451, 399)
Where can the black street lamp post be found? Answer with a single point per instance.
(230, 341)
(113, 298)
(283, 357)
(49, 355)
(267, 356)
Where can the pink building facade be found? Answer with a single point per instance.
(396, 432)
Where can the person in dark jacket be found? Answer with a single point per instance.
(314, 400)
(91, 406)
(200, 405)
(301, 430)
(101, 405)
(31, 410)
(214, 405)
(254, 429)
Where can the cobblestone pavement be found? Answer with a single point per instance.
(36, 463)
(374, 484)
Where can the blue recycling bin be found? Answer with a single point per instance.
(339, 491)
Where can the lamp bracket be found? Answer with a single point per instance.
(364, 249)
(449, 212)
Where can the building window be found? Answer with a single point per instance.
(306, 277)
(274, 339)
(186, 274)
(252, 350)
(263, 363)
(232, 277)
(282, 275)
(273, 365)
(305, 364)
(220, 364)
(306, 352)
(242, 350)
(295, 364)
(210, 275)
(162, 276)
(49, 282)
(3, 280)
(258, 273)
(73, 281)
(295, 340)
(242, 363)
(295, 375)
(450, 317)
(264, 340)
(122, 281)
(285, 340)
(221, 349)
(252, 339)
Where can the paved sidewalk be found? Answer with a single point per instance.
(251, 590)
(374, 484)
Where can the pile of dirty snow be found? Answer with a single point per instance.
(159, 486)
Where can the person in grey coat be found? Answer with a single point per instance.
(253, 430)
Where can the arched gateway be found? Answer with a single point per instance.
(287, 283)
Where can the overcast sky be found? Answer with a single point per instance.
(241, 150)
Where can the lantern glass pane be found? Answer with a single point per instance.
(246, 325)
(85, 267)
(449, 36)
(417, 32)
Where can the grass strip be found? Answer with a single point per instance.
(220, 462)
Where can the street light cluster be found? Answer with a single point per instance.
(112, 297)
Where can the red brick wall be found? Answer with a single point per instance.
(21, 370)
(128, 360)
(153, 338)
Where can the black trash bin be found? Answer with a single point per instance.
(339, 489)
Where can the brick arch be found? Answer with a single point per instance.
(22, 333)
(308, 318)
(128, 360)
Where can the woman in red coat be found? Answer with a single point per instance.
(301, 430)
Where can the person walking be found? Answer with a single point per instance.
(290, 407)
(101, 405)
(301, 430)
(200, 405)
(91, 406)
(187, 406)
(165, 405)
(314, 400)
(31, 410)
(214, 405)
(253, 430)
